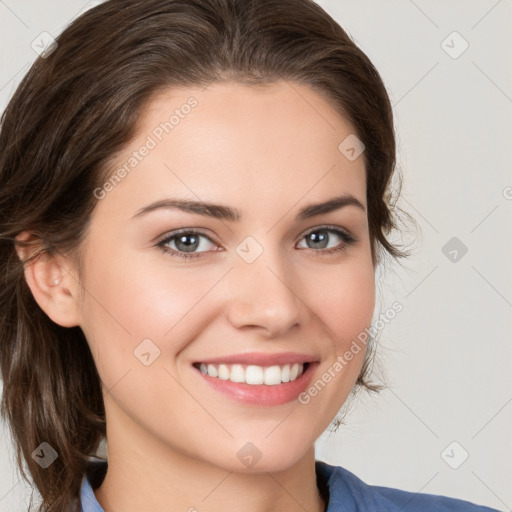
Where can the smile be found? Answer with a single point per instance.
(278, 391)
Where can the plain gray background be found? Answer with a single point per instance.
(443, 426)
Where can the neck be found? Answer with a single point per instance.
(144, 476)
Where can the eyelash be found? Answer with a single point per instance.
(347, 238)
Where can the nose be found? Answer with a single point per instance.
(266, 294)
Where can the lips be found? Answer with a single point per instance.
(260, 359)
(260, 395)
(270, 393)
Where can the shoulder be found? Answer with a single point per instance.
(348, 492)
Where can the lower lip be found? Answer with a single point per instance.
(262, 395)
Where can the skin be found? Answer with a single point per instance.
(172, 440)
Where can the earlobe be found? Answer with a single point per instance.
(52, 285)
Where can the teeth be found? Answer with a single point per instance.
(223, 372)
(254, 375)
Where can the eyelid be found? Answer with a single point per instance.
(329, 227)
(170, 237)
(177, 232)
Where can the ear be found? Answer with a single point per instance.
(52, 283)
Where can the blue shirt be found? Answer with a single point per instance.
(343, 491)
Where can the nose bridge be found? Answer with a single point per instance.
(265, 295)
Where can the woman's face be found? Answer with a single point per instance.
(267, 282)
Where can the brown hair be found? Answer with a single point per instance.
(75, 109)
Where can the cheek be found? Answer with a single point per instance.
(347, 301)
(347, 309)
(128, 301)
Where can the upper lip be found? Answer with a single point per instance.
(261, 359)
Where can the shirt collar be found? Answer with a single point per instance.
(334, 489)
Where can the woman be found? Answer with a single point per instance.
(194, 201)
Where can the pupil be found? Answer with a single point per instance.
(318, 238)
(187, 247)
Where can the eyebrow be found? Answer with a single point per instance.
(218, 211)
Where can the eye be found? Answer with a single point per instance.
(320, 238)
(185, 244)
(190, 243)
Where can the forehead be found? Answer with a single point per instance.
(286, 110)
(243, 142)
